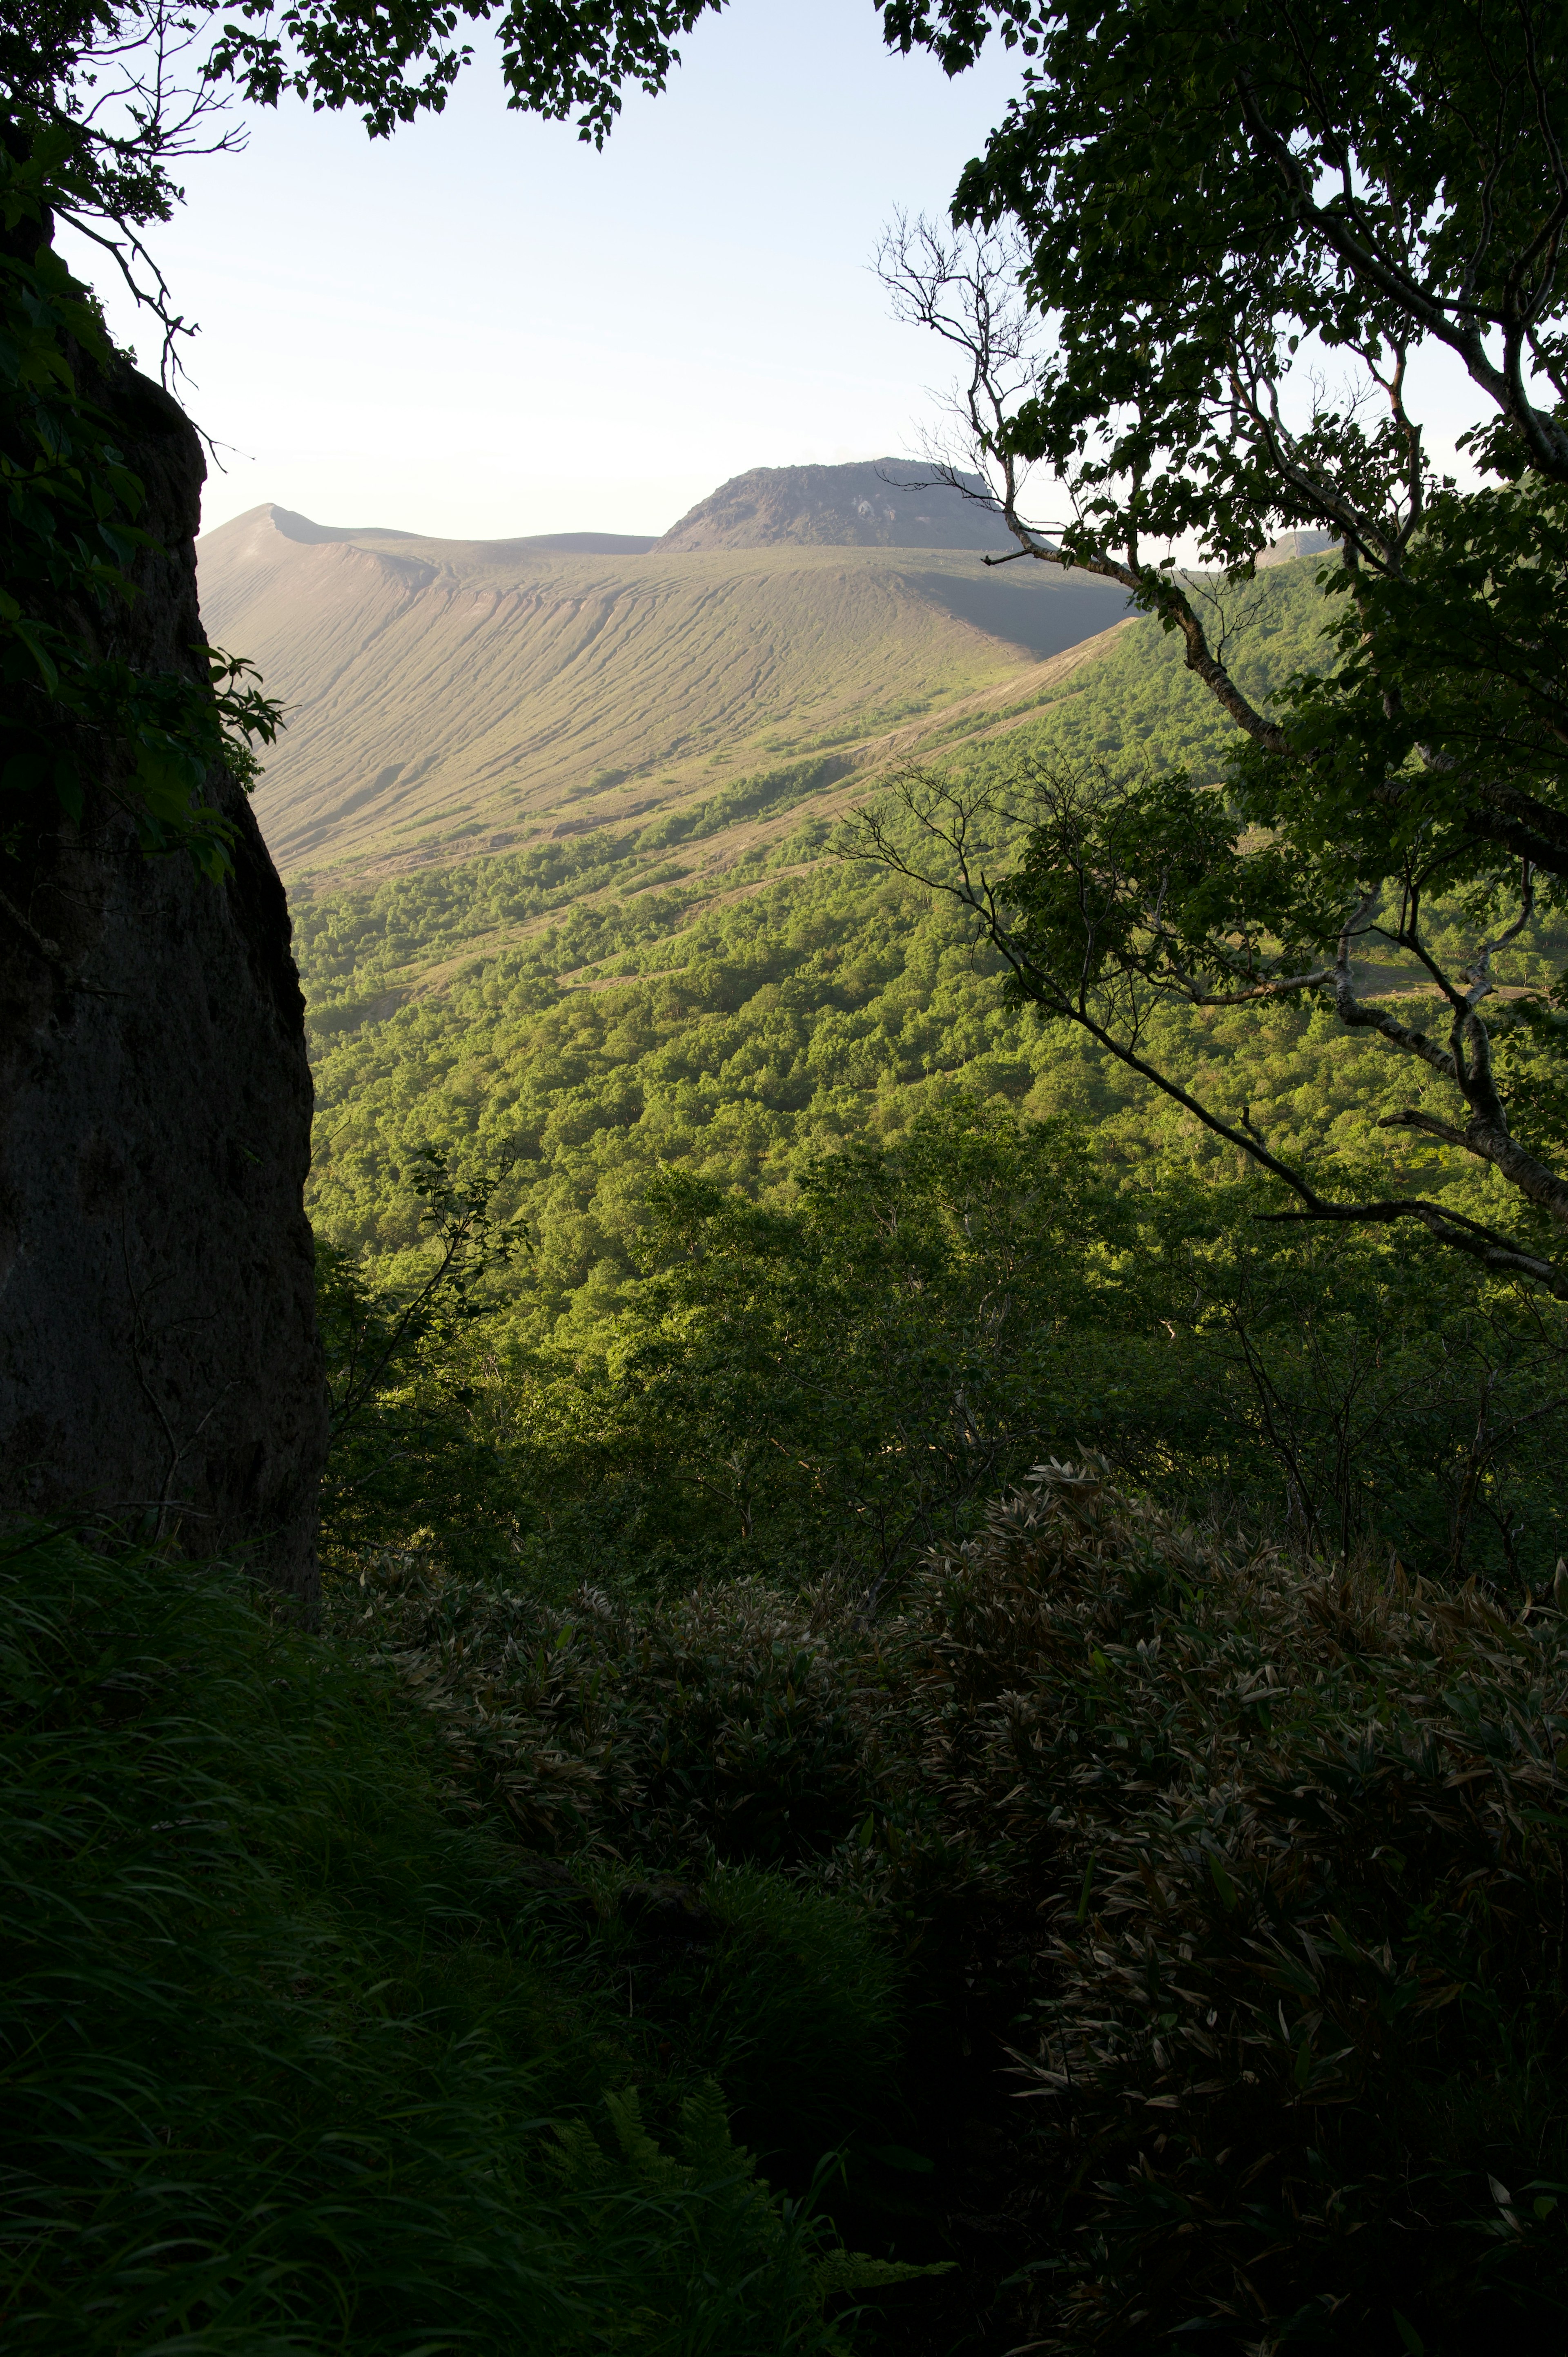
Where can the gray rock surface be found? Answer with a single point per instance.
(159, 1357)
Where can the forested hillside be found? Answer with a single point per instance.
(708, 1250)
(632, 1053)
(608, 1004)
(866, 1653)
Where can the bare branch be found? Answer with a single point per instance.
(965, 289)
(1084, 996)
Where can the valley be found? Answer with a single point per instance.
(446, 698)
(785, 1359)
(572, 843)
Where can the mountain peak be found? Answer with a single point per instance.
(874, 503)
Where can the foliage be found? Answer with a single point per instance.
(1294, 1847)
(1248, 1856)
(1256, 1866)
(122, 90)
(891, 1340)
(554, 62)
(1447, 690)
(1239, 234)
(716, 1731)
(827, 1245)
(1133, 891)
(291, 2061)
(400, 1368)
(734, 1026)
(69, 549)
(1245, 197)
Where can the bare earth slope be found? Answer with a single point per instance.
(444, 697)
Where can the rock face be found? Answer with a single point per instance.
(881, 504)
(158, 1359)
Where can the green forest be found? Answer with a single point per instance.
(799, 1241)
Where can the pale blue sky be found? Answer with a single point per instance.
(483, 327)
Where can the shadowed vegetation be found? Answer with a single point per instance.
(1248, 1874)
(294, 2058)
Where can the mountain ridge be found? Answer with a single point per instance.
(444, 694)
(293, 526)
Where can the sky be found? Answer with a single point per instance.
(482, 328)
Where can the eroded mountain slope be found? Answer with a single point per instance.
(447, 697)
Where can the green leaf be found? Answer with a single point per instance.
(898, 2156)
(853, 2271)
(33, 636)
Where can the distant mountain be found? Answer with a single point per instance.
(300, 528)
(285, 521)
(878, 503)
(1291, 545)
(590, 543)
(446, 696)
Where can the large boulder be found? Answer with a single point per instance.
(159, 1364)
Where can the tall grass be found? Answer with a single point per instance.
(283, 2066)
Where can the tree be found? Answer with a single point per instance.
(869, 1363)
(126, 89)
(402, 1383)
(1196, 268)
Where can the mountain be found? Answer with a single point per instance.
(573, 544)
(878, 503)
(1291, 545)
(447, 697)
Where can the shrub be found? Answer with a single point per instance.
(1250, 1875)
(1295, 1850)
(720, 1726)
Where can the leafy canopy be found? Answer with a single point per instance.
(133, 85)
(1235, 230)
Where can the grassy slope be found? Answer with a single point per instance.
(297, 2055)
(444, 695)
(1127, 691)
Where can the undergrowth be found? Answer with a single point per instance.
(292, 2059)
(1239, 1882)
(1170, 1932)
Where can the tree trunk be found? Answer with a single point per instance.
(158, 1358)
